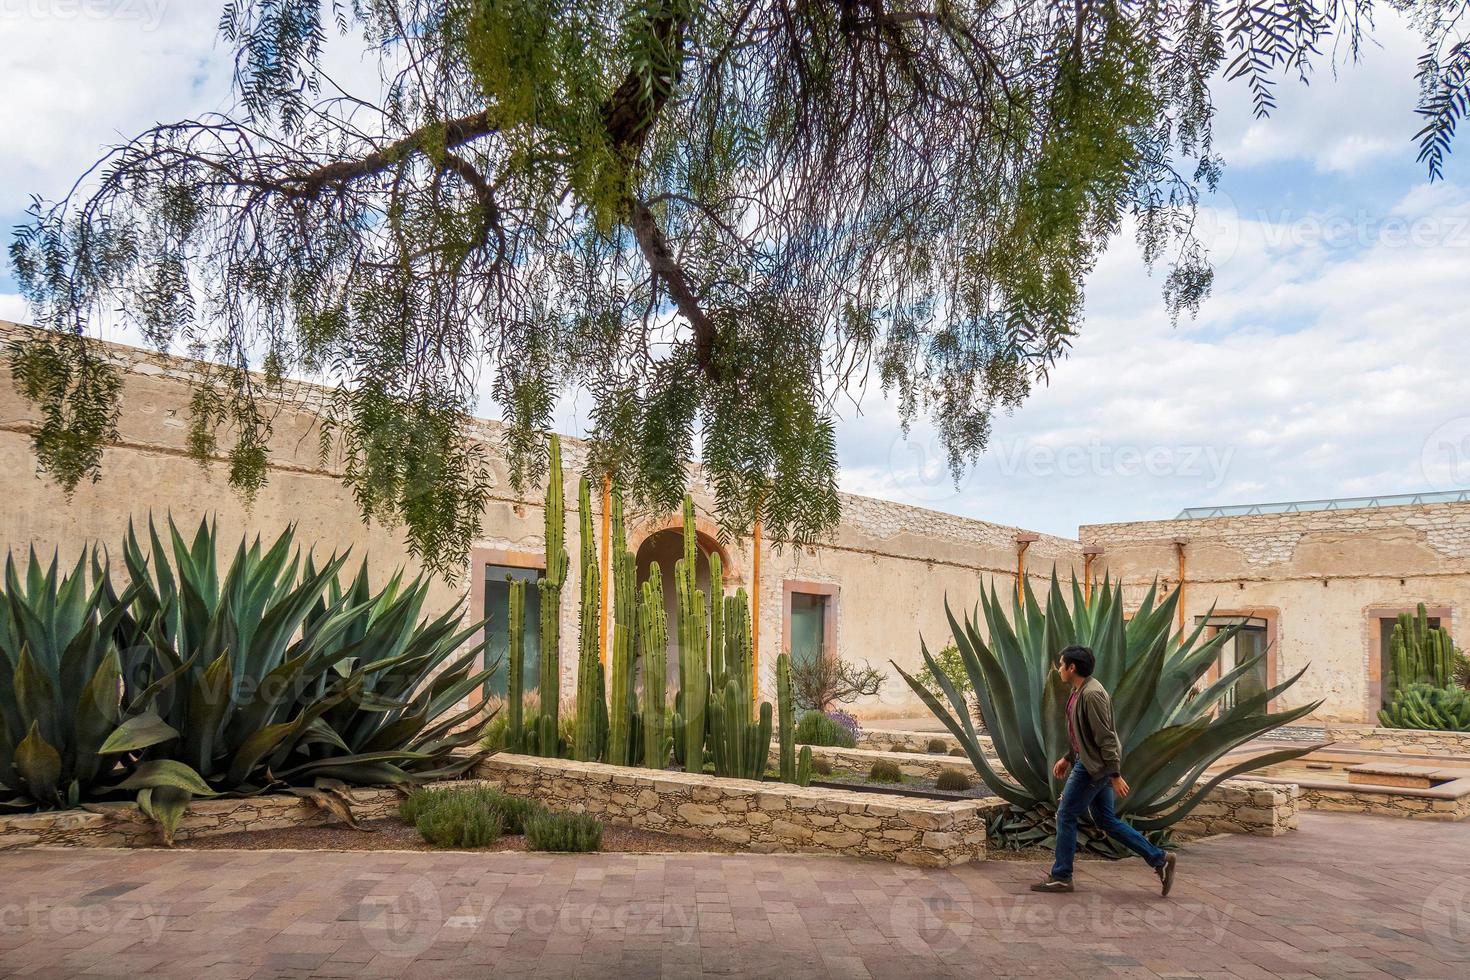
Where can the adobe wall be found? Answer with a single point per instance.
(1320, 576)
(891, 564)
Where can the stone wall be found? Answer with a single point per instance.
(919, 765)
(1245, 806)
(1419, 804)
(890, 740)
(756, 816)
(1406, 741)
(123, 825)
(1321, 579)
(1236, 806)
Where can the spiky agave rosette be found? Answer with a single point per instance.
(1169, 739)
(269, 675)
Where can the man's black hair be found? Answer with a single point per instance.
(1081, 659)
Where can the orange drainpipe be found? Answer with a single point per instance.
(1023, 541)
(1089, 555)
(755, 613)
(606, 554)
(1179, 544)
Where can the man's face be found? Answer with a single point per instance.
(1066, 671)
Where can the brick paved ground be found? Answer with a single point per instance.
(1347, 894)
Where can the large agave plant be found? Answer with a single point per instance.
(270, 674)
(1169, 737)
(60, 670)
(408, 677)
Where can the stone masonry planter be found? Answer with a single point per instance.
(123, 825)
(757, 816)
(1236, 806)
(1406, 741)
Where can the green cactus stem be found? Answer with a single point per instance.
(550, 586)
(516, 654)
(653, 631)
(590, 708)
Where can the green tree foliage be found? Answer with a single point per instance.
(720, 218)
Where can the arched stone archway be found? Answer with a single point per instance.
(663, 542)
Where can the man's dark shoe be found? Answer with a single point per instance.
(1053, 885)
(1166, 873)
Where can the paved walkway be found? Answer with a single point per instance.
(1344, 895)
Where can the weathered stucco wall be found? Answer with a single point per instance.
(1321, 578)
(891, 564)
(1317, 576)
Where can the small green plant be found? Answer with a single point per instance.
(885, 771)
(517, 811)
(898, 747)
(952, 665)
(821, 767)
(952, 781)
(959, 753)
(816, 728)
(938, 746)
(548, 831)
(448, 817)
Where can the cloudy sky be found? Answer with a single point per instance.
(1330, 361)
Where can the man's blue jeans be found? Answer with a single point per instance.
(1081, 795)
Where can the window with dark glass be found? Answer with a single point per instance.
(808, 626)
(497, 611)
(1247, 646)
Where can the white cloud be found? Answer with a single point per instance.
(1327, 381)
(1359, 114)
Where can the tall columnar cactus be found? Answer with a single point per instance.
(693, 672)
(740, 747)
(739, 658)
(786, 715)
(621, 705)
(587, 747)
(717, 666)
(1419, 653)
(653, 633)
(515, 671)
(550, 586)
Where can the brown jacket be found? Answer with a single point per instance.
(1092, 720)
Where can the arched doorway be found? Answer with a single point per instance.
(666, 547)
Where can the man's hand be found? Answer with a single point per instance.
(1060, 769)
(1120, 787)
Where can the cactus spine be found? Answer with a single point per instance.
(653, 632)
(587, 744)
(516, 653)
(621, 705)
(550, 586)
(787, 729)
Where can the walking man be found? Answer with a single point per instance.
(1095, 761)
